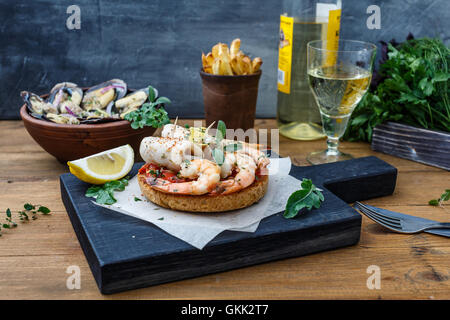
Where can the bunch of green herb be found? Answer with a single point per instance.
(218, 151)
(104, 194)
(309, 197)
(151, 113)
(439, 202)
(413, 89)
(30, 212)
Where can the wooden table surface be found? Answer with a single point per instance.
(35, 256)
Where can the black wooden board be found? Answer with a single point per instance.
(127, 253)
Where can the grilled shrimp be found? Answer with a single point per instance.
(246, 168)
(229, 164)
(251, 150)
(172, 131)
(259, 157)
(206, 172)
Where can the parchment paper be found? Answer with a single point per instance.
(198, 229)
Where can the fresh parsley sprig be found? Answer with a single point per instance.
(308, 197)
(151, 113)
(439, 202)
(411, 87)
(30, 211)
(104, 194)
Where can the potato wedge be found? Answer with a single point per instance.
(204, 61)
(225, 68)
(215, 67)
(240, 64)
(224, 53)
(247, 65)
(207, 69)
(256, 64)
(215, 50)
(234, 48)
(236, 66)
(229, 61)
(209, 59)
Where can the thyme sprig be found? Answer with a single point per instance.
(440, 202)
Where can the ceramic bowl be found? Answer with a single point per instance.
(68, 142)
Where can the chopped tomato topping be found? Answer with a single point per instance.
(155, 171)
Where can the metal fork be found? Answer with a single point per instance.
(401, 224)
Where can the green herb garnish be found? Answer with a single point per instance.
(233, 147)
(151, 114)
(439, 202)
(23, 215)
(218, 152)
(104, 194)
(137, 199)
(218, 156)
(43, 210)
(221, 131)
(28, 206)
(308, 197)
(412, 89)
(157, 173)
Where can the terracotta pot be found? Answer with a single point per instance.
(231, 99)
(70, 142)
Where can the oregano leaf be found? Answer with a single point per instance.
(308, 197)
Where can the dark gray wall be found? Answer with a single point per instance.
(160, 42)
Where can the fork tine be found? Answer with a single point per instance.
(378, 213)
(382, 222)
(390, 227)
(377, 221)
(380, 219)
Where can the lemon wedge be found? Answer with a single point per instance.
(104, 166)
(197, 135)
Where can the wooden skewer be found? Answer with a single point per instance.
(174, 124)
(207, 129)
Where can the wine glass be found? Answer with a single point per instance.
(339, 78)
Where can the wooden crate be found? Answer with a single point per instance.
(417, 144)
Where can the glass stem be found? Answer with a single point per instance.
(333, 144)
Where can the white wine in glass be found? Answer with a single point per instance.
(338, 79)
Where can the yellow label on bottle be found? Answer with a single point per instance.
(285, 54)
(334, 22)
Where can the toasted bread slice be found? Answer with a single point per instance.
(206, 203)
